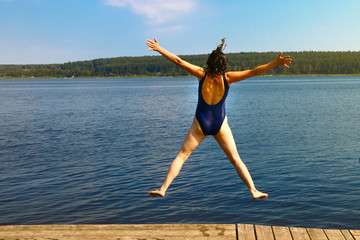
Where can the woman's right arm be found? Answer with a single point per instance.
(190, 68)
(242, 75)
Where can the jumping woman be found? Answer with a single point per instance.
(210, 117)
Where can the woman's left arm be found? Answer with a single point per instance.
(190, 68)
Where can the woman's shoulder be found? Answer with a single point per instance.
(202, 74)
(227, 76)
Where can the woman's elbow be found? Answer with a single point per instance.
(178, 61)
(254, 73)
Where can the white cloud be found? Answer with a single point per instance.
(157, 11)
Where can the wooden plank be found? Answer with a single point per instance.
(299, 233)
(334, 234)
(355, 234)
(171, 232)
(264, 232)
(64, 237)
(282, 233)
(347, 234)
(317, 234)
(121, 232)
(245, 232)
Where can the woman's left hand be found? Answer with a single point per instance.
(154, 45)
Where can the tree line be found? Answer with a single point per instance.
(304, 63)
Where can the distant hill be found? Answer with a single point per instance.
(304, 63)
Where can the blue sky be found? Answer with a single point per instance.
(58, 31)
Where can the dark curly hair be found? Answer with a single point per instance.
(217, 63)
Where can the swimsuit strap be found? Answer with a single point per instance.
(203, 78)
(226, 85)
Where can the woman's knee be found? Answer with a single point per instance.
(184, 154)
(234, 158)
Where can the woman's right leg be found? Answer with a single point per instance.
(227, 143)
(193, 138)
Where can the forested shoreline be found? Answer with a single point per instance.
(304, 63)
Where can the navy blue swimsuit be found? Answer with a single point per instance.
(211, 117)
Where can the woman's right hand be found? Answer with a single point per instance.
(283, 61)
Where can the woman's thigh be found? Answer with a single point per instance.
(226, 141)
(193, 138)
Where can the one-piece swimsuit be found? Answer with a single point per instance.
(211, 117)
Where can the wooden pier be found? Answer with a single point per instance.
(172, 232)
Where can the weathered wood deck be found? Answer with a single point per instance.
(171, 232)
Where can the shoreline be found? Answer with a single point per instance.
(144, 76)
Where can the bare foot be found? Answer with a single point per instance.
(257, 194)
(157, 193)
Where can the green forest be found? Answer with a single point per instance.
(304, 63)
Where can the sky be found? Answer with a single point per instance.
(59, 31)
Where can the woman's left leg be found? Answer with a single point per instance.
(226, 141)
(193, 138)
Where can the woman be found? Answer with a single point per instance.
(210, 118)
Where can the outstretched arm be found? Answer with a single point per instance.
(242, 75)
(190, 68)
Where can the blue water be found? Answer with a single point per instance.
(87, 151)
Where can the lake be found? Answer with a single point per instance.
(87, 151)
